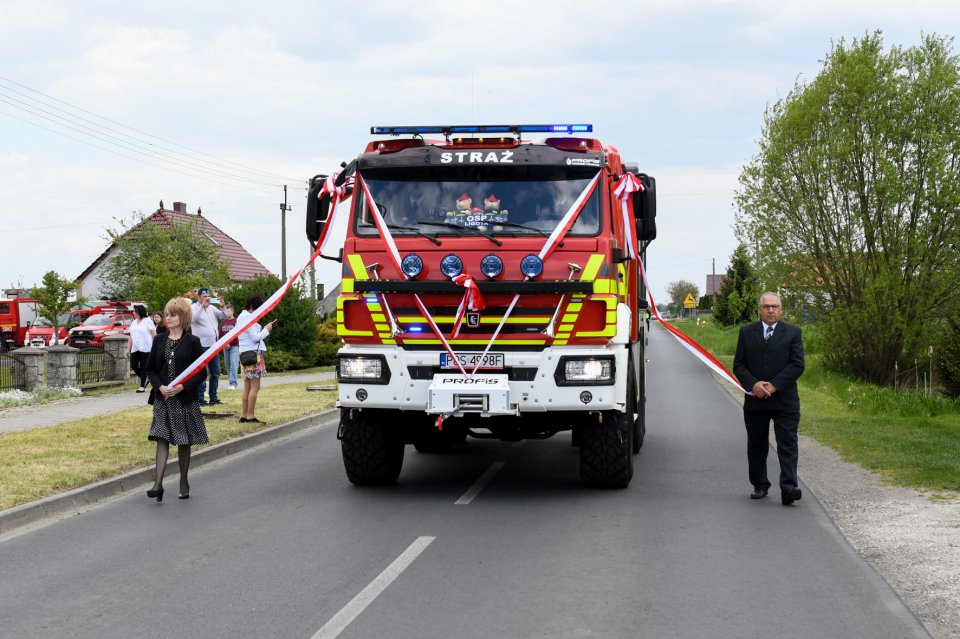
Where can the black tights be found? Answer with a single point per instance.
(183, 458)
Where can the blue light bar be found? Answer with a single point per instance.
(482, 128)
(414, 328)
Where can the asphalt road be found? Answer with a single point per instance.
(276, 543)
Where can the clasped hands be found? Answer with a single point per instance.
(764, 390)
(167, 391)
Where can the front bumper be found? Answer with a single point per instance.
(490, 393)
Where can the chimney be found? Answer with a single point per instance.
(179, 207)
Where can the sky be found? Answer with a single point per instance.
(107, 108)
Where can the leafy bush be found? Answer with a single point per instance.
(280, 360)
(327, 342)
(947, 358)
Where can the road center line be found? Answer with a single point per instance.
(480, 484)
(365, 597)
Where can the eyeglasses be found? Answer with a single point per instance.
(769, 307)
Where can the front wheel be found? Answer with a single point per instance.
(606, 451)
(372, 448)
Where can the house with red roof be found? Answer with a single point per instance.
(243, 265)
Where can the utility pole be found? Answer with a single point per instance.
(283, 235)
(713, 287)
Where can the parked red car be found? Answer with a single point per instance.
(108, 321)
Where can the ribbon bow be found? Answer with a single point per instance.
(336, 194)
(472, 300)
(625, 186)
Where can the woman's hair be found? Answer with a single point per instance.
(180, 306)
(140, 310)
(254, 301)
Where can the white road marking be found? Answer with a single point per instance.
(365, 597)
(479, 484)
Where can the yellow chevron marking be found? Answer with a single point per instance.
(356, 265)
(592, 268)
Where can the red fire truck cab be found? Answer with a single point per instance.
(17, 315)
(491, 287)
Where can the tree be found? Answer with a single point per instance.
(679, 290)
(155, 263)
(739, 291)
(854, 194)
(296, 330)
(54, 298)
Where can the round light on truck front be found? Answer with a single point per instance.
(491, 266)
(412, 265)
(451, 266)
(531, 266)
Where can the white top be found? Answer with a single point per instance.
(205, 324)
(252, 338)
(141, 338)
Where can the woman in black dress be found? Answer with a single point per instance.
(176, 410)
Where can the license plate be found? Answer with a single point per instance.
(470, 360)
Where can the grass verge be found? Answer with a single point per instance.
(908, 438)
(45, 461)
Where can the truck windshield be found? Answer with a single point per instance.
(500, 205)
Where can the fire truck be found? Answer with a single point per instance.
(492, 288)
(17, 315)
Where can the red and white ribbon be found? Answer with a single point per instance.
(394, 256)
(566, 223)
(249, 321)
(472, 300)
(625, 186)
(336, 194)
(698, 351)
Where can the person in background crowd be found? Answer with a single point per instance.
(142, 332)
(768, 362)
(158, 323)
(176, 410)
(251, 359)
(231, 352)
(205, 327)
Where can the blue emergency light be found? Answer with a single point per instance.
(482, 128)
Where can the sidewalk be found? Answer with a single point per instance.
(65, 410)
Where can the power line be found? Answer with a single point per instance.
(129, 157)
(244, 167)
(136, 146)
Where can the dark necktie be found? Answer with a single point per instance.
(767, 333)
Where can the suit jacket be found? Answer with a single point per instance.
(186, 352)
(778, 360)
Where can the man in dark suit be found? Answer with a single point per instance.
(768, 361)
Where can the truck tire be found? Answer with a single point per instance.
(372, 449)
(606, 451)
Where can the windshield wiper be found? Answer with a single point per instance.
(463, 228)
(400, 227)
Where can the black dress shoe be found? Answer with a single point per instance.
(790, 496)
(758, 493)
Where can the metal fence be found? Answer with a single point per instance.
(13, 373)
(94, 365)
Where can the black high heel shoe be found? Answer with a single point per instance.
(185, 494)
(155, 493)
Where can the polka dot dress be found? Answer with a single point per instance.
(178, 422)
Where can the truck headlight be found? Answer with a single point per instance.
(368, 369)
(585, 371)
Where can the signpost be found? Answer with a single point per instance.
(689, 302)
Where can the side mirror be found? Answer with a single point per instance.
(645, 208)
(317, 209)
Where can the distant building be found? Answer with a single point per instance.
(243, 265)
(714, 282)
